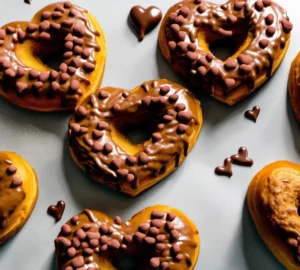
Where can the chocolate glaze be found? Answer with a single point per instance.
(253, 114)
(226, 169)
(60, 21)
(144, 20)
(266, 21)
(242, 158)
(171, 109)
(11, 191)
(159, 241)
(57, 210)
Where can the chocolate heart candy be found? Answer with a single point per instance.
(253, 114)
(226, 169)
(157, 237)
(57, 210)
(144, 20)
(242, 158)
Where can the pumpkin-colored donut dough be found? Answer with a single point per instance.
(259, 32)
(18, 193)
(58, 30)
(158, 237)
(273, 201)
(100, 148)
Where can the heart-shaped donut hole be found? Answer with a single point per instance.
(158, 237)
(49, 63)
(257, 34)
(99, 147)
(273, 201)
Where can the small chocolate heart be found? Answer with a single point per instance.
(226, 169)
(144, 20)
(242, 158)
(252, 114)
(57, 210)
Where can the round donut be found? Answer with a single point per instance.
(294, 86)
(60, 30)
(158, 237)
(273, 201)
(100, 148)
(191, 26)
(18, 193)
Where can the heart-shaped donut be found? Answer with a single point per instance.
(100, 148)
(158, 237)
(260, 33)
(18, 193)
(58, 30)
(273, 201)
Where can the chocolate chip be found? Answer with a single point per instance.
(144, 227)
(149, 240)
(86, 53)
(293, 242)
(75, 219)
(185, 116)
(245, 59)
(174, 235)
(263, 43)
(21, 35)
(116, 108)
(160, 237)
(287, 26)
(45, 26)
(75, 127)
(53, 74)
(179, 20)
(156, 137)
(71, 252)
(167, 118)
(202, 70)
(171, 216)
(157, 214)
(245, 69)
(172, 45)
(66, 229)
(74, 86)
(131, 160)
(130, 178)
(93, 235)
(37, 85)
(21, 87)
(179, 257)
(79, 30)
(154, 262)
(160, 126)
(122, 173)
(180, 107)
(182, 129)
(16, 181)
(182, 47)
(97, 146)
(116, 163)
(184, 11)
(201, 8)
(175, 249)
(108, 148)
(80, 111)
(269, 19)
(230, 64)
(67, 23)
(71, 70)
(175, 28)
(259, 5)
(270, 31)
(139, 237)
(267, 2)
(143, 158)
(2, 34)
(10, 73)
(88, 66)
(77, 50)
(231, 19)
(156, 223)
(114, 244)
(10, 30)
(45, 35)
(55, 86)
(63, 241)
(164, 90)
(173, 98)
(127, 239)
(169, 226)
(88, 251)
(76, 243)
(94, 243)
(68, 4)
(57, 15)
(164, 265)
(181, 36)
(238, 5)
(191, 56)
(78, 262)
(75, 62)
(197, 22)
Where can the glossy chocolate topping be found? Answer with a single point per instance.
(253, 114)
(157, 240)
(94, 133)
(61, 26)
(242, 158)
(11, 192)
(57, 210)
(144, 20)
(193, 24)
(226, 169)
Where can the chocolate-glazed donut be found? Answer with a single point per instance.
(158, 237)
(190, 26)
(18, 193)
(57, 29)
(99, 147)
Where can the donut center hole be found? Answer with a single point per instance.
(126, 262)
(132, 130)
(230, 47)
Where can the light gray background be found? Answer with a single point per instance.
(216, 204)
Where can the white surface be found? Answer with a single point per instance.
(216, 204)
